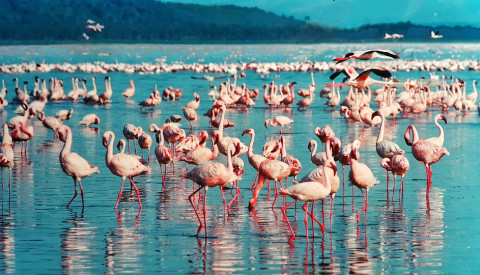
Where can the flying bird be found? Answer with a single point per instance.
(367, 55)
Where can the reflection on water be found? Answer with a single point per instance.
(77, 245)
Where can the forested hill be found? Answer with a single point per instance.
(131, 21)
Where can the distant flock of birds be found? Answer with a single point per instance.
(274, 163)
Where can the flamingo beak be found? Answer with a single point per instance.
(310, 144)
(444, 118)
(334, 167)
(246, 132)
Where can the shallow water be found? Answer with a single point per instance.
(38, 234)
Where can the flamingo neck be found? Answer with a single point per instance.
(222, 120)
(441, 136)
(314, 150)
(381, 133)
(250, 145)
(109, 153)
(67, 146)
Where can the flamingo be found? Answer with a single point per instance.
(398, 165)
(163, 153)
(385, 148)
(72, 163)
(316, 158)
(309, 191)
(145, 142)
(253, 159)
(304, 103)
(279, 120)
(6, 153)
(131, 133)
(194, 104)
(190, 115)
(294, 164)
(89, 119)
(426, 152)
(318, 173)
(271, 149)
(367, 55)
(223, 140)
(211, 174)
(269, 169)
(123, 165)
(364, 80)
(130, 91)
(64, 114)
(22, 133)
(441, 137)
(50, 122)
(361, 176)
(202, 154)
(108, 90)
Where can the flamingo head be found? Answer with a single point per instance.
(248, 131)
(268, 121)
(311, 144)
(202, 136)
(120, 144)
(196, 96)
(331, 164)
(386, 163)
(354, 153)
(106, 138)
(96, 121)
(336, 143)
(62, 132)
(444, 118)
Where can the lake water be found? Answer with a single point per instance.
(38, 234)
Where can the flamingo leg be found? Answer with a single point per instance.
(305, 208)
(195, 210)
(135, 146)
(285, 216)
(121, 190)
(313, 218)
(322, 227)
(332, 199)
(137, 191)
(363, 207)
(235, 197)
(81, 191)
(205, 211)
(74, 195)
(394, 179)
(261, 181)
(254, 182)
(223, 196)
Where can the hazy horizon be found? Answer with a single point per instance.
(355, 13)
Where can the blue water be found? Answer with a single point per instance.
(38, 234)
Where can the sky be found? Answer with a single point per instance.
(355, 13)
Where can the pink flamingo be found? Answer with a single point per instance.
(190, 115)
(163, 153)
(385, 148)
(211, 174)
(145, 142)
(72, 163)
(253, 159)
(131, 133)
(22, 133)
(441, 137)
(304, 103)
(293, 162)
(398, 165)
(89, 119)
(202, 154)
(223, 140)
(279, 120)
(123, 165)
(194, 104)
(269, 169)
(309, 191)
(271, 149)
(426, 152)
(130, 91)
(50, 122)
(361, 176)
(363, 80)
(367, 55)
(318, 174)
(6, 153)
